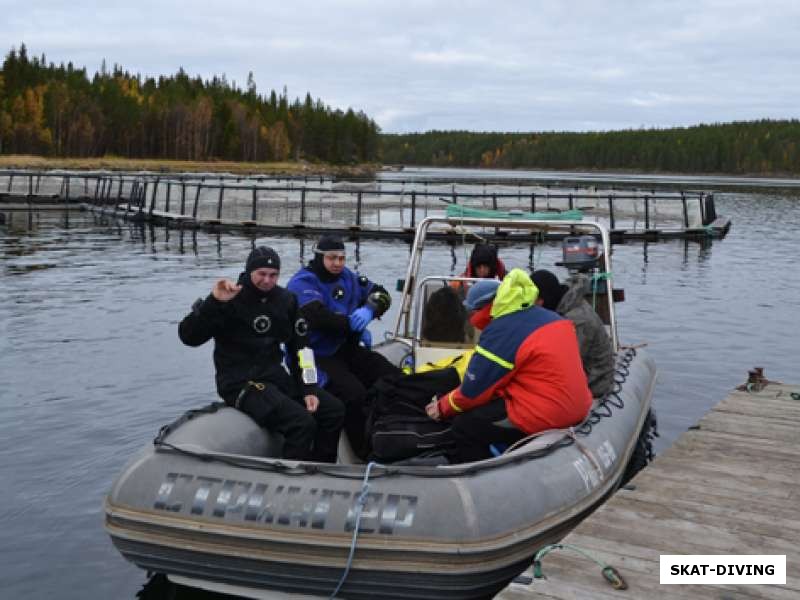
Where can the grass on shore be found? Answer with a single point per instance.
(115, 163)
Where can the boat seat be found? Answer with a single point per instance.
(229, 431)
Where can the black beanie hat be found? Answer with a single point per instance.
(483, 254)
(329, 242)
(550, 290)
(261, 257)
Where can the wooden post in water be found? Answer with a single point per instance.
(612, 224)
(303, 206)
(30, 185)
(38, 182)
(66, 192)
(153, 197)
(10, 182)
(196, 200)
(646, 212)
(254, 209)
(571, 201)
(494, 201)
(142, 197)
(169, 191)
(533, 203)
(358, 209)
(710, 211)
(132, 195)
(702, 208)
(96, 188)
(685, 211)
(183, 195)
(413, 209)
(219, 202)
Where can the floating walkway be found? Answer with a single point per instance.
(729, 485)
(376, 208)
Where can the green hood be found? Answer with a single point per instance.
(516, 292)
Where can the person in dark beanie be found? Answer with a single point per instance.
(550, 289)
(595, 346)
(249, 321)
(338, 305)
(484, 263)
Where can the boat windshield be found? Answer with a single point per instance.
(431, 314)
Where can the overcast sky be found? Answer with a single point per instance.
(417, 65)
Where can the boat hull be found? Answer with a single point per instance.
(199, 508)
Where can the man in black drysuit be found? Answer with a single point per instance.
(249, 321)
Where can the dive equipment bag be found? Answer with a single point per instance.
(398, 426)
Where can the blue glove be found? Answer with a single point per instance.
(366, 338)
(360, 318)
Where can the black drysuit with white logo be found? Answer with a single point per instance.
(248, 331)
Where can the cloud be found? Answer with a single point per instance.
(515, 65)
(457, 58)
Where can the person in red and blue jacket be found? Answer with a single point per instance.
(525, 376)
(338, 305)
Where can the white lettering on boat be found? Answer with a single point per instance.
(587, 472)
(291, 506)
(607, 454)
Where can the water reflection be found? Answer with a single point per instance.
(91, 367)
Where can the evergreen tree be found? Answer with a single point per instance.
(61, 111)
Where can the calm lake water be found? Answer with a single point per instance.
(91, 365)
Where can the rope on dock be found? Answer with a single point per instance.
(610, 574)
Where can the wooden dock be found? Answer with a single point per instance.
(730, 485)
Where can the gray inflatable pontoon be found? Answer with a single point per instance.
(203, 508)
(206, 505)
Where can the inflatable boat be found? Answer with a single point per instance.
(209, 504)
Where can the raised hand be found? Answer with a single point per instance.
(360, 318)
(225, 290)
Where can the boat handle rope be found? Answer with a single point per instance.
(360, 502)
(610, 574)
(612, 398)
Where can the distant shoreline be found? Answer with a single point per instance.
(596, 171)
(114, 163)
(303, 168)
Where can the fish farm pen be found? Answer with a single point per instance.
(373, 208)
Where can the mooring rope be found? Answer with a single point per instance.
(360, 502)
(610, 574)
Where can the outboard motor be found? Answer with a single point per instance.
(583, 254)
(580, 253)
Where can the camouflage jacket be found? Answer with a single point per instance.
(595, 345)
